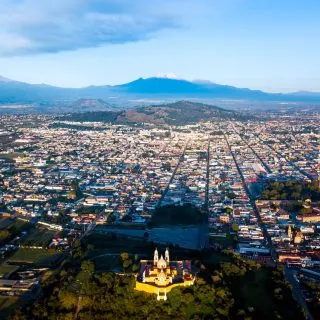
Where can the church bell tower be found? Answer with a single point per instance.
(166, 256)
(155, 257)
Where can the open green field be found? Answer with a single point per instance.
(15, 226)
(6, 268)
(20, 225)
(7, 305)
(37, 257)
(225, 242)
(39, 237)
(10, 156)
(5, 223)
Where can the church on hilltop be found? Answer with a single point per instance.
(160, 275)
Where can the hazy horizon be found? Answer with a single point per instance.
(266, 45)
(163, 76)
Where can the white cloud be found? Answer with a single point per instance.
(36, 26)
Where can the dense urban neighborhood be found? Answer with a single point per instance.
(249, 187)
(159, 160)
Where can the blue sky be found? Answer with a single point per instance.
(273, 45)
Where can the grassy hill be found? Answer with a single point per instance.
(233, 289)
(178, 113)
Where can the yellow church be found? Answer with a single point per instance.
(161, 275)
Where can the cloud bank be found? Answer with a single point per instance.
(42, 26)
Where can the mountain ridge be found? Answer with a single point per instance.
(12, 91)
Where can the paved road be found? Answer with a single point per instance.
(164, 148)
(261, 160)
(253, 204)
(206, 204)
(280, 155)
(173, 174)
(290, 274)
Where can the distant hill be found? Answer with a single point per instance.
(92, 116)
(3, 79)
(24, 93)
(181, 112)
(178, 113)
(91, 104)
(12, 92)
